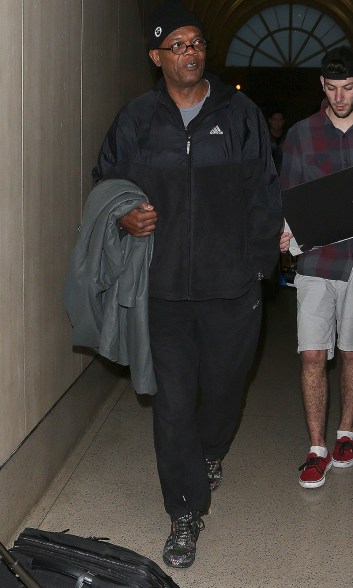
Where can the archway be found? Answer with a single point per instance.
(296, 89)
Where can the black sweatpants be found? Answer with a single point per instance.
(202, 352)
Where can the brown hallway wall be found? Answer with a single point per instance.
(65, 69)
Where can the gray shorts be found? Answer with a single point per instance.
(324, 308)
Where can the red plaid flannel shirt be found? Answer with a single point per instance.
(315, 148)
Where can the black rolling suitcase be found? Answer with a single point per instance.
(44, 559)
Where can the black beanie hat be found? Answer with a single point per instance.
(171, 16)
(338, 64)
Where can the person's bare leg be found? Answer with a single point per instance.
(346, 423)
(315, 392)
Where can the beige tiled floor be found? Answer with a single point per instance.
(264, 531)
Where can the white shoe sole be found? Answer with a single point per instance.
(317, 484)
(342, 464)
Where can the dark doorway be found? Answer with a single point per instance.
(297, 92)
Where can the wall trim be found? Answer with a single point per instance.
(26, 476)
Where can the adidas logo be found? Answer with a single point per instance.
(216, 131)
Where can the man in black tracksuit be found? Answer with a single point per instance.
(200, 150)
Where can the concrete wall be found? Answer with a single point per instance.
(66, 67)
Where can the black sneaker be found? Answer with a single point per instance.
(214, 472)
(180, 548)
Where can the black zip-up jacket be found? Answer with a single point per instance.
(213, 185)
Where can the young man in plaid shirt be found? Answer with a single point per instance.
(315, 147)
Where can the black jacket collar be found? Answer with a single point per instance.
(220, 93)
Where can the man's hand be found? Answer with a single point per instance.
(284, 241)
(141, 221)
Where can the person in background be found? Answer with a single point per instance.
(315, 147)
(276, 127)
(200, 150)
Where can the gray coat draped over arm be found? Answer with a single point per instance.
(106, 291)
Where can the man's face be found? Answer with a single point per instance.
(276, 121)
(340, 96)
(184, 70)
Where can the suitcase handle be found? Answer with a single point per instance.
(17, 569)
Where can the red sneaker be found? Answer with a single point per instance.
(343, 453)
(313, 471)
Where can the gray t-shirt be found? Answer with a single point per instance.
(189, 113)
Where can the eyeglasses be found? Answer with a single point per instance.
(179, 47)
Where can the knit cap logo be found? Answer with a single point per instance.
(158, 31)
